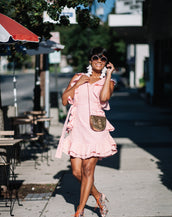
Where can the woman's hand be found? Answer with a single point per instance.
(83, 79)
(110, 68)
(70, 90)
(108, 86)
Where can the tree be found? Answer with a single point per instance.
(30, 13)
(79, 40)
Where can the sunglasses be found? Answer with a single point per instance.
(96, 57)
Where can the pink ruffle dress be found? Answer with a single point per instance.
(78, 139)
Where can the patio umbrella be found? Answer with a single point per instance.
(45, 47)
(13, 32)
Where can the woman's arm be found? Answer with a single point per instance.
(70, 90)
(108, 86)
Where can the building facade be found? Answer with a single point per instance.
(127, 19)
(153, 29)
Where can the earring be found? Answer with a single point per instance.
(103, 72)
(89, 70)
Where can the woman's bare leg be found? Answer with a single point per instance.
(87, 180)
(76, 164)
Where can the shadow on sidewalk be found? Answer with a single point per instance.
(147, 126)
(163, 152)
(112, 161)
(69, 188)
(130, 110)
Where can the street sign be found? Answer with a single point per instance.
(55, 57)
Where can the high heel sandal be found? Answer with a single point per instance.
(79, 213)
(102, 206)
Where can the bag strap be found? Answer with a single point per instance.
(89, 109)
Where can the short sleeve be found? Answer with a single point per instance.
(70, 100)
(105, 105)
(76, 79)
(114, 81)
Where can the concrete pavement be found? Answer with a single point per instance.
(137, 180)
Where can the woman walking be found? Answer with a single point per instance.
(88, 93)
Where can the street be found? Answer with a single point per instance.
(25, 86)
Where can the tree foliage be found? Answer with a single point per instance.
(79, 41)
(30, 13)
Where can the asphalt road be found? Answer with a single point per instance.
(25, 87)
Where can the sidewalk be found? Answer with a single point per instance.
(137, 180)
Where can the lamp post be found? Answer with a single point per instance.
(37, 89)
(47, 88)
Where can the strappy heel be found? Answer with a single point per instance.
(102, 206)
(79, 213)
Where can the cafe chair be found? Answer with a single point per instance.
(8, 192)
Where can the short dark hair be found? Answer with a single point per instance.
(98, 51)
